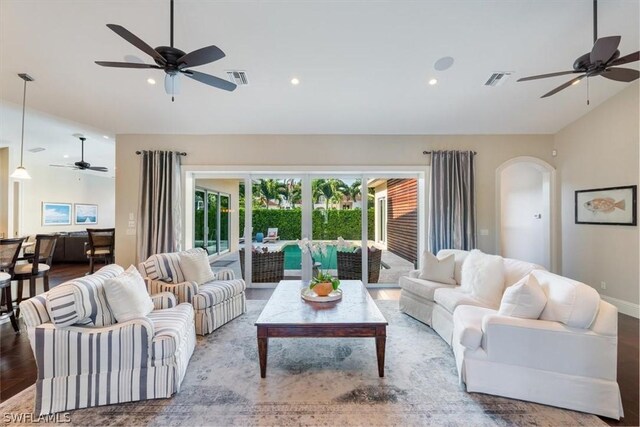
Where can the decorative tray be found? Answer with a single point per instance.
(308, 295)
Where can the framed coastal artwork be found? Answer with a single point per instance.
(56, 213)
(86, 214)
(612, 206)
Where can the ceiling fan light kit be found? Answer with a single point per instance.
(601, 61)
(21, 172)
(174, 62)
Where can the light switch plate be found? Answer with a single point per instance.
(484, 232)
(131, 232)
(132, 224)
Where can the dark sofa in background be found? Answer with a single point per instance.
(71, 247)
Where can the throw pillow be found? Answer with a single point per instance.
(127, 295)
(272, 234)
(437, 269)
(195, 267)
(525, 299)
(483, 277)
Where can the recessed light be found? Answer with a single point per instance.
(151, 81)
(295, 81)
(433, 81)
(105, 136)
(66, 156)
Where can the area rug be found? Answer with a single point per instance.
(330, 382)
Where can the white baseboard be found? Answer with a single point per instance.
(624, 307)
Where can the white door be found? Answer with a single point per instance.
(525, 213)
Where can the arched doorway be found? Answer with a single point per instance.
(525, 210)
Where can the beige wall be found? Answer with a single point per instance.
(231, 187)
(294, 151)
(49, 184)
(600, 150)
(4, 192)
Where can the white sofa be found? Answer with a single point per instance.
(434, 303)
(566, 358)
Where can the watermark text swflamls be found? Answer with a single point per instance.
(27, 417)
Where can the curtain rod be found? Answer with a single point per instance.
(429, 152)
(182, 153)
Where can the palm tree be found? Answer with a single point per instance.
(354, 191)
(293, 192)
(333, 190)
(266, 190)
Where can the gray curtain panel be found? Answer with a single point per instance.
(160, 212)
(452, 201)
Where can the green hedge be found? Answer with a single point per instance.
(326, 224)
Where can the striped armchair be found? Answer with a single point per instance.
(104, 362)
(215, 303)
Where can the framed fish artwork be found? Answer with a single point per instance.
(611, 206)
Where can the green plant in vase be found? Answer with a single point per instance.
(323, 282)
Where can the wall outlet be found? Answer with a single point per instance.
(603, 285)
(130, 232)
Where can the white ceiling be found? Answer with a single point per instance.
(363, 66)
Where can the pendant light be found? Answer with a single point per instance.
(21, 172)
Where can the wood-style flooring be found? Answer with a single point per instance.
(18, 368)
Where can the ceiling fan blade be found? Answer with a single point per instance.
(604, 48)
(60, 166)
(136, 41)
(201, 56)
(98, 168)
(544, 76)
(564, 86)
(210, 80)
(632, 57)
(621, 74)
(125, 64)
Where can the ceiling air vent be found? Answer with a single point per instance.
(238, 77)
(36, 149)
(497, 78)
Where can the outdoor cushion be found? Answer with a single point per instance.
(170, 327)
(450, 298)
(214, 293)
(422, 288)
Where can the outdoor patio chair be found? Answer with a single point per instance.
(272, 236)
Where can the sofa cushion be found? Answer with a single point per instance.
(467, 325)
(514, 270)
(170, 327)
(83, 300)
(195, 266)
(422, 288)
(127, 295)
(214, 293)
(525, 299)
(568, 301)
(459, 256)
(450, 298)
(164, 266)
(483, 277)
(438, 269)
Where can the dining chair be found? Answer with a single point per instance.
(101, 242)
(9, 250)
(42, 256)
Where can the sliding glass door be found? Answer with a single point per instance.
(211, 222)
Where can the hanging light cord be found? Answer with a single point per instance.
(24, 103)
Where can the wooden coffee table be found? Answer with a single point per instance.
(287, 315)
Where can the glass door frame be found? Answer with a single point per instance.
(206, 219)
(307, 174)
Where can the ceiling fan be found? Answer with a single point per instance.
(601, 61)
(173, 61)
(82, 165)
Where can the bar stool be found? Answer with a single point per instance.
(43, 254)
(9, 250)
